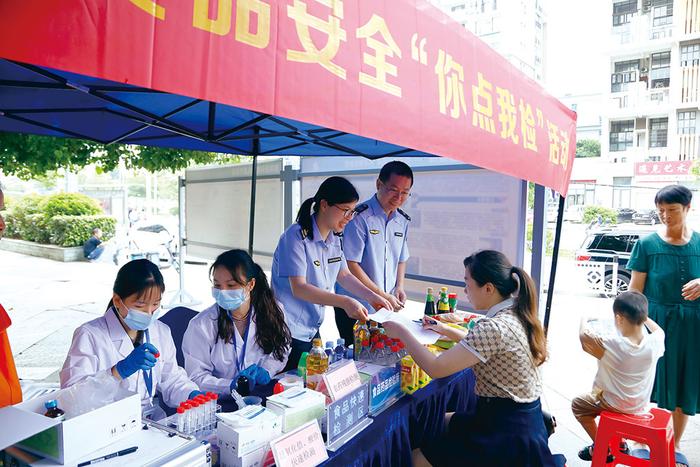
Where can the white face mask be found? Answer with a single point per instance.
(140, 320)
(229, 299)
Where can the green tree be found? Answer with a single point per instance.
(588, 148)
(30, 156)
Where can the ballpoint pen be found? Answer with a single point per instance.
(123, 452)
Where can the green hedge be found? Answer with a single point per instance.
(70, 204)
(75, 230)
(591, 213)
(18, 220)
(64, 219)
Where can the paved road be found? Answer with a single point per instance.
(47, 300)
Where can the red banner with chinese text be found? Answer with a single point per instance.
(398, 71)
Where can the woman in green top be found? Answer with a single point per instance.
(666, 268)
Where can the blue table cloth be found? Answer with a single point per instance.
(413, 420)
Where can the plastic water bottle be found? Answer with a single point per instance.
(364, 354)
(329, 351)
(378, 354)
(339, 351)
(392, 355)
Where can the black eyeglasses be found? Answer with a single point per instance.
(347, 212)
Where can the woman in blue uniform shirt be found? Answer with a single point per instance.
(309, 260)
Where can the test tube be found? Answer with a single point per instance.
(187, 426)
(204, 411)
(215, 405)
(212, 409)
(194, 421)
(181, 419)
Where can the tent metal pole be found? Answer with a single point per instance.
(555, 258)
(253, 186)
(182, 297)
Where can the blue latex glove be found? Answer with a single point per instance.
(250, 374)
(194, 394)
(141, 358)
(262, 376)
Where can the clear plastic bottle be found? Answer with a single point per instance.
(378, 354)
(394, 357)
(339, 351)
(364, 353)
(373, 329)
(316, 364)
(329, 351)
(402, 349)
(361, 332)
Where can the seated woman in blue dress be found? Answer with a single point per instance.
(505, 350)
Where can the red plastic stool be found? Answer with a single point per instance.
(654, 429)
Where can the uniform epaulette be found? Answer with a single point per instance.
(408, 218)
(304, 233)
(361, 208)
(338, 234)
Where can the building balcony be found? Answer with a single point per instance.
(639, 33)
(688, 147)
(638, 100)
(690, 84)
(690, 17)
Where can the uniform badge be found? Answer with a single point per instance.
(398, 234)
(374, 232)
(337, 259)
(317, 262)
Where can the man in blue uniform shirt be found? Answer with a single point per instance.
(375, 242)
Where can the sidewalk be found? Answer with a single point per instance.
(47, 300)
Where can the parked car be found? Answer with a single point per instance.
(646, 216)
(625, 215)
(604, 246)
(574, 213)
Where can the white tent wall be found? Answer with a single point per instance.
(455, 209)
(217, 208)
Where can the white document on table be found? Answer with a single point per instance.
(422, 335)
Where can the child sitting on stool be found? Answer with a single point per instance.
(626, 364)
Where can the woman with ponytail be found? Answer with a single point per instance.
(505, 349)
(309, 260)
(243, 333)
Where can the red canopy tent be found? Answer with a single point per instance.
(306, 77)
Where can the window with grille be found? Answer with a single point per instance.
(690, 54)
(660, 74)
(624, 11)
(686, 122)
(625, 72)
(621, 135)
(662, 12)
(658, 132)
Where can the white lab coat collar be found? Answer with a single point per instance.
(121, 339)
(493, 311)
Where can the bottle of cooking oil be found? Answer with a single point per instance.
(316, 364)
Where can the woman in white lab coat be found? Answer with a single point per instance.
(130, 343)
(244, 332)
